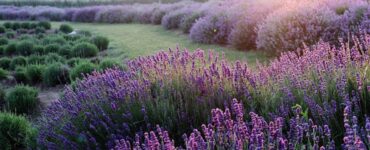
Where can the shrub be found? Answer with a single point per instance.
(121, 14)
(10, 34)
(173, 19)
(55, 74)
(2, 50)
(10, 49)
(85, 50)
(84, 33)
(16, 26)
(3, 41)
(65, 51)
(65, 28)
(85, 14)
(188, 21)
(24, 48)
(3, 74)
(39, 30)
(8, 25)
(20, 75)
(2, 96)
(34, 73)
(38, 49)
(74, 61)
(44, 24)
(145, 95)
(159, 12)
(100, 42)
(22, 99)
(108, 63)
(82, 69)
(25, 25)
(244, 34)
(51, 48)
(16, 132)
(18, 61)
(54, 39)
(2, 29)
(290, 28)
(54, 57)
(5, 62)
(36, 59)
(211, 29)
(33, 25)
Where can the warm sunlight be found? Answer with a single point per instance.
(184, 74)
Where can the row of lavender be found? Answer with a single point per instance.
(318, 89)
(269, 25)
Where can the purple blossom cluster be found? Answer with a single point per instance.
(229, 130)
(267, 25)
(177, 90)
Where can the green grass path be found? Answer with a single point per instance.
(133, 40)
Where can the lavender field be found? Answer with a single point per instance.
(244, 74)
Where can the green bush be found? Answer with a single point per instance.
(38, 49)
(8, 25)
(82, 69)
(2, 29)
(65, 51)
(33, 25)
(2, 50)
(3, 41)
(25, 25)
(5, 62)
(18, 61)
(53, 57)
(34, 73)
(108, 63)
(10, 49)
(54, 39)
(101, 42)
(55, 74)
(10, 34)
(3, 74)
(74, 61)
(2, 97)
(85, 50)
(16, 132)
(84, 33)
(51, 48)
(35, 59)
(39, 30)
(22, 31)
(20, 75)
(22, 99)
(24, 48)
(46, 25)
(16, 26)
(26, 37)
(65, 28)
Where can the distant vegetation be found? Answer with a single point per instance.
(68, 3)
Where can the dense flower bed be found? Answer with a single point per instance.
(177, 90)
(271, 26)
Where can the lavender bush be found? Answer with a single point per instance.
(211, 29)
(85, 14)
(122, 14)
(229, 130)
(173, 19)
(243, 36)
(293, 26)
(177, 90)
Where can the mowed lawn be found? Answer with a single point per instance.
(133, 40)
